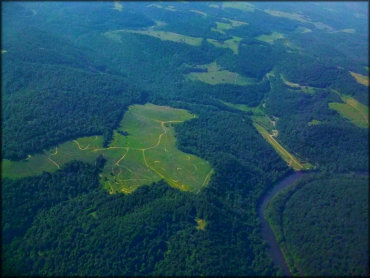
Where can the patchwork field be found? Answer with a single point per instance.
(146, 153)
(362, 79)
(293, 16)
(245, 7)
(304, 89)
(232, 44)
(271, 37)
(352, 110)
(266, 127)
(162, 35)
(215, 75)
(222, 26)
(118, 6)
(314, 122)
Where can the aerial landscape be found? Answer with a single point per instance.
(185, 138)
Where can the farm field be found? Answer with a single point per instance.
(162, 35)
(221, 27)
(232, 44)
(271, 37)
(215, 75)
(304, 89)
(351, 109)
(362, 79)
(146, 153)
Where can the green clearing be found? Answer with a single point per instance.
(362, 79)
(266, 127)
(118, 6)
(293, 16)
(215, 75)
(352, 110)
(232, 44)
(215, 6)
(298, 17)
(201, 224)
(3, 51)
(162, 35)
(198, 12)
(271, 37)
(349, 30)
(314, 122)
(147, 154)
(223, 26)
(304, 89)
(245, 7)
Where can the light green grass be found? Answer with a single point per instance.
(201, 224)
(354, 111)
(148, 154)
(293, 16)
(349, 30)
(362, 79)
(314, 122)
(198, 12)
(215, 75)
(162, 35)
(245, 7)
(223, 26)
(232, 44)
(271, 38)
(303, 89)
(118, 6)
(300, 18)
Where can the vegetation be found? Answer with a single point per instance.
(322, 230)
(163, 35)
(73, 71)
(271, 37)
(146, 155)
(214, 75)
(362, 79)
(352, 110)
(232, 44)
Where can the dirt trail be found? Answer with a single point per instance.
(52, 161)
(78, 144)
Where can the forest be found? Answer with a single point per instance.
(73, 69)
(322, 206)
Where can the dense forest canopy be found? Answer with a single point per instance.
(268, 83)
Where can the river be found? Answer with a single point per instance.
(273, 247)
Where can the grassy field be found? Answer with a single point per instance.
(198, 12)
(201, 224)
(245, 7)
(222, 26)
(314, 122)
(232, 44)
(271, 37)
(352, 110)
(215, 75)
(147, 154)
(293, 16)
(362, 79)
(304, 89)
(118, 6)
(266, 127)
(162, 35)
